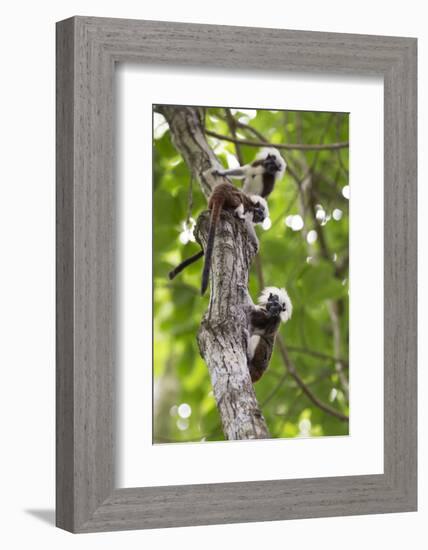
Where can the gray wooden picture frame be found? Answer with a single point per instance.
(87, 50)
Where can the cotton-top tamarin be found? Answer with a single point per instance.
(247, 207)
(274, 307)
(262, 174)
(259, 177)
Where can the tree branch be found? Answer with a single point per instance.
(188, 137)
(334, 305)
(232, 123)
(310, 192)
(317, 354)
(223, 334)
(262, 139)
(292, 370)
(285, 146)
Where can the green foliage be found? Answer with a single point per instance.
(314, 273)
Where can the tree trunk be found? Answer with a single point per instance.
(185, 124)
(223, 334)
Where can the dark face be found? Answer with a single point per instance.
(273, 306)
(271, 165)
(259, 213)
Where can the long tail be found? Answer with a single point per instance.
(173, 273)
(215, 214)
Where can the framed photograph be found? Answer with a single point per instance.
(236, 274)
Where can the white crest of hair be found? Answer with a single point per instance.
(283, 297)
(263, 153)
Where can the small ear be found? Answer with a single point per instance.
(270, 296)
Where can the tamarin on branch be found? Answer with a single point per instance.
(252, 208)
(259, 177)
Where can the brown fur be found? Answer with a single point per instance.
(265, 326)
(228, 196)
(224, 195)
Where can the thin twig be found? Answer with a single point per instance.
(285, 212)
(339, 123)
(264, 140)
(326, 254)
(254, 131)
(285, 146)
(317, 354)
(276, 389)
(335, 324)
(292, 371)
(231, 122)
(320, 148)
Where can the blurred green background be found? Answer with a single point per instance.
(305, 250)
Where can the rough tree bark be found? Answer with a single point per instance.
(223, 334)
(185, 124)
